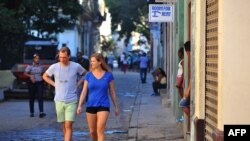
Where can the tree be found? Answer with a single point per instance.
(107, 44)
(20, 17)
(49, 16)
(131, 15)
(11, 37)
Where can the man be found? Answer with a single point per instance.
(111, 58)
(143, 67)
(65, 74)
(84, 61)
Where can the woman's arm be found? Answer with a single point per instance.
(182, 64)
(82, 97)
(32, 78)
(113, 96)
(27, 74)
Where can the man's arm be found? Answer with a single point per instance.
(81, 80)
(48, 79)
(84, 71)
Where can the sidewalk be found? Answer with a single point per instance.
(150, 120)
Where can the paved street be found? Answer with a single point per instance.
(142, 117)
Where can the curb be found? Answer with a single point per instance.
(133, 124)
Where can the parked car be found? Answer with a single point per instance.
(46, 49)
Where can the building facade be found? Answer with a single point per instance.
(218, 31)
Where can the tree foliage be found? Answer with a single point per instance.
(107, 44)
(20, 17)
(131, 15)
(11, 36)
(49, 16)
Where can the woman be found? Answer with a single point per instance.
(160, 81)
(34, 72)
(180, 81)
(99, 82)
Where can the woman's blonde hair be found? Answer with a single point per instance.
(99, 57)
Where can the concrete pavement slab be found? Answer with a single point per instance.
(155, 122)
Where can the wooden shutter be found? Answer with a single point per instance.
(211, 69)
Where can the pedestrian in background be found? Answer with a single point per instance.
(143, 67)
(121, 58)
(125, 64)
(84, 62)
(149, 61)
(110, 59)
(160, 81)
(99, 83)
(35, 85)
(65, 74)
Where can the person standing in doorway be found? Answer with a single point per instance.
(180, 73)
(34, 72)
(99, 84)
(185, 101)
(180, 78)
(65, 74)
(143, 67)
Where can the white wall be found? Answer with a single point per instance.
(234, 65)
(70, 37)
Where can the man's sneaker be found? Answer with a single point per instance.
(157, 94)
(42, 115)
(32, 115)
(153, 94)
(184, 102)
(180, 119)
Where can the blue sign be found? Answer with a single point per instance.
(161, 13)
